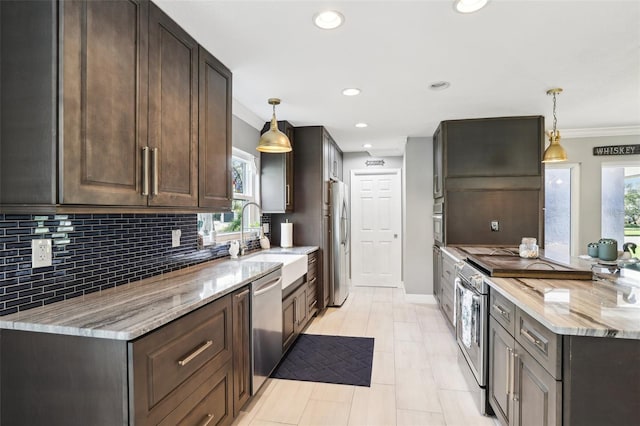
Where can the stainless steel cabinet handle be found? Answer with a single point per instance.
(540, 344)
(208, 419)
(514, 372)
(195, 353)
(507, 382)
(502, 312)
(154, 183)
(145, 170)
(288, 199)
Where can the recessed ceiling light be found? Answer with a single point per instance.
(439, 85)
(367, 145)
(328, 20)
(469, 6)
(352, 91)
(361, 125)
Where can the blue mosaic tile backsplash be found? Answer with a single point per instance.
(92, 252)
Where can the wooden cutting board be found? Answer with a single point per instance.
(508, 266)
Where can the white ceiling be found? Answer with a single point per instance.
(500, 62)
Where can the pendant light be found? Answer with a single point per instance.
(273, 140)
(554, 152)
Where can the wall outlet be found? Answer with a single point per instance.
(265, 228)
(40, 253)
(495, 226)
(175, 237)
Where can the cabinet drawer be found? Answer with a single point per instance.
(166, 358)
(312, 266)
(448, 269)
(210, 404)
(447, 307)
(503, 311)
(540, 342)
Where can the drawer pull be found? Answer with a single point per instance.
(195, 353)
(515, 369)
(208, 419)
(533, 339)
(502, 312)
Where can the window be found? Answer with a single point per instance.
(560, 221)
(225, 226)
(621, 203)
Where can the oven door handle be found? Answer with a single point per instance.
(477, 317)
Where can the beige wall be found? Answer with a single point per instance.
(580, 151)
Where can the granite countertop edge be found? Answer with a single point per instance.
(122, 313)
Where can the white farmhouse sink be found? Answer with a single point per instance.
(293, 265)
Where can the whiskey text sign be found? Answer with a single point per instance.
(616, 150)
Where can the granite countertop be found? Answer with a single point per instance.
(131, 310)
(607, 306)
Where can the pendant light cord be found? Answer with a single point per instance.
(555, 118)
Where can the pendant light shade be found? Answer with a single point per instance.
(273, 140)
(554, 152)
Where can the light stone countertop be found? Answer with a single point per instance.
(608, 306)
(128, 311)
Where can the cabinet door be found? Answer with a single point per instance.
(537, 395)
(214, 138)
(173, 112)
(276, 175)
(104, 98)
(437, 267)
(501, 345)
(241, 349)
(301, 308)
(288, 322)
(325, 260)
(326, 169)
(438, 157)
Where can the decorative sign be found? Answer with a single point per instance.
(379, 162)
(616, 150)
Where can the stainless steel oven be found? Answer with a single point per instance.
(472, 293)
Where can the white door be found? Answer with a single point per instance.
(376, 224)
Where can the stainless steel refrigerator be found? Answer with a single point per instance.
(340, 244)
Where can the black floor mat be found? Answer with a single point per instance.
(328, 359)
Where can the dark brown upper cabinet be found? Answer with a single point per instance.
(100, 108)
(215, 189)
(173, 112)
(276, 175)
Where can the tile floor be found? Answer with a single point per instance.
(415, 381)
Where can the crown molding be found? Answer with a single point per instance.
(600, 132)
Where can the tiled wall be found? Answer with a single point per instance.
(92, 252)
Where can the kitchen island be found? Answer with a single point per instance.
(563, 351)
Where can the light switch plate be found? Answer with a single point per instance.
(495, 226)
(175, 237)
(41, 253)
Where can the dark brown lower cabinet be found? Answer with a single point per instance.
(295, 315)
(190, 371)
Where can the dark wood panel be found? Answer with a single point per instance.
(288, 322)
(104, 101)
(241, 349)
(28, 103)
(173, 111)
(469, 215)
(505, 146)
(214, 140)
(601, 381)
(62, 380)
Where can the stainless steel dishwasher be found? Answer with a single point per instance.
(266, 327)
